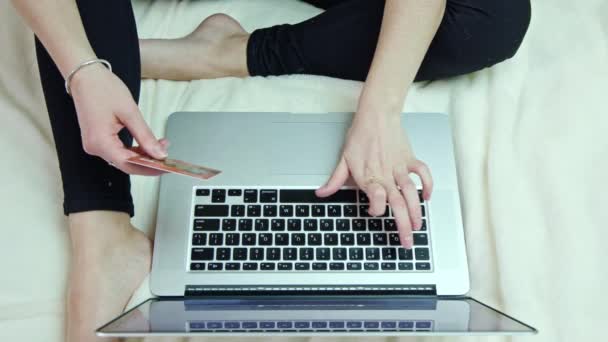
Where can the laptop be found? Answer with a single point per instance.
(253, 251)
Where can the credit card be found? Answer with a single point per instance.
(175, 166)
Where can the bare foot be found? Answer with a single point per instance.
(110, 258)
(217, 48)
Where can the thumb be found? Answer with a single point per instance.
(336, 181)
(138, 127)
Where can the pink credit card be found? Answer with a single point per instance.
(175, 166)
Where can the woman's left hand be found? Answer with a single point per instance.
(379, 157)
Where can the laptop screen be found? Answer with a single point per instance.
(381, 316)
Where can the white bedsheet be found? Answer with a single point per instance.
(531, 143)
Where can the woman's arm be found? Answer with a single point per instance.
(103, 103)
(377, 153)
(408, 27)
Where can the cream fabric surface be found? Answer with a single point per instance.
(531, 144)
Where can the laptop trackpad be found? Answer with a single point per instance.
(306, 148)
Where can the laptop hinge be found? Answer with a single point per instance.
(308, 290)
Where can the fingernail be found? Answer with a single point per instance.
(162, 152)
(407, 243)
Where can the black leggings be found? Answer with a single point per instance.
(340, 42)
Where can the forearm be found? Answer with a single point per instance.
(58, 25)
(408, 27)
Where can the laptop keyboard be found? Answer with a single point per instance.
(287, 229)
(310, 326)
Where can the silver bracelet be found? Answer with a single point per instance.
(68, 79)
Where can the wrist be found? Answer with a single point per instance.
(82, 77)
(381, 102)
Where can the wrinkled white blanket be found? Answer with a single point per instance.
(531, 143)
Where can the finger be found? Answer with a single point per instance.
(400, 213)
(138, 127)
(336, 181)
(410, 194)
(117, 155)
(377, 198)
(423, 171)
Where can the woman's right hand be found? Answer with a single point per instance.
(105, 106)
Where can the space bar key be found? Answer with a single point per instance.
(308, 196)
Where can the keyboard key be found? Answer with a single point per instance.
(237, 210)
(218, 195)
(388, 325)
(251, 196)
(216, 239)
(250, 266)
(281, 239)
(423, 266)
(298, 239)
(310, 225)
(422, 209)
(336, 325)
(286, 210)
(302, 266)
(393, 239)
(327, 225)
(285, 266)
(265, 239)
(323, 253)
(363, 197)
(294, 225)
(336, 266)
(277, 225)
(318, 211)
(302, 211)
(250, 325)
(270, 210)
(245, 225)
(423, 227)
(388, 266)
(308, 196)
(422, 253)
(405, 254)
(390, 225)
(370, 266)
(372, 254)
(355, 253)
(380, 239)
(249, 239)
(389, 253)
(268, 196)
(353, 266)
(256, 253)
(197, 266)
(284, 325)
(254, 210)
(374, 225)
(222, 254)
(290, 253)
(306, 254)
(420, 198)
(319, 325)
(207, 225)
(239, 254)
(350, 211)
(343, 225)
(302, 325)
(314, 239)
(262, 224)
(232, 325)
(229, 224)
(334, 211)
(215, 266)
(267, 325)
(359, 225)
(235, 192)
(267, 266)
(423, 325)
(405, 266)
(347, 239)
(273, 253)
(406, 325)
(364, 211)
(319, 266)
(199, 239)
(338, 253)
(202, 192)
(233, 239)
(364, 239)
(354, 325)
(421, 239)
(330, 239)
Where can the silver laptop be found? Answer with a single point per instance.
(253, 251)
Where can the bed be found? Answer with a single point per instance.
(531, 139)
